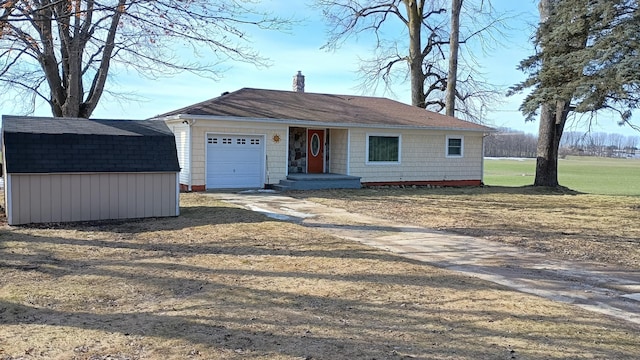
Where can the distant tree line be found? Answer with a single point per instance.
(599, 144)
(512, 143)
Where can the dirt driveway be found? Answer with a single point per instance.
(593, 286)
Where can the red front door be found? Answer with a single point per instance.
(315, 151)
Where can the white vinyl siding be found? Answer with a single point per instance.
(423, 157)
(181, 134)
(275, 166)
(339, 150)
(422, 153)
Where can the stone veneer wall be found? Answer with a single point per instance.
(297, 150)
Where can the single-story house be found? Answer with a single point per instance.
(67, 169)
(254, 138)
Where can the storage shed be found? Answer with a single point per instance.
(68, 169)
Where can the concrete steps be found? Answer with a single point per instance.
(318, 181)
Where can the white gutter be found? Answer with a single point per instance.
(310, 123)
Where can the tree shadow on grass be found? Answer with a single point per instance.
(191, 216)
(249, 320)
(254, 321)
(320, 327)
(199, 305)
(145, 258)
(450, 191)
(137, 250)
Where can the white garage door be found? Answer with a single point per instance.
(235, 161)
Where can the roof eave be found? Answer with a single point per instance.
(300, 122)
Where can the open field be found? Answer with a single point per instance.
(220, 282)
(591, 175)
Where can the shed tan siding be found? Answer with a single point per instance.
(422, 158)
(41, 198)
(339, 148)
(276, 152)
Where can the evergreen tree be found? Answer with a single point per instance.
(587, 61)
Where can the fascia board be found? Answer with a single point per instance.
(306, 123)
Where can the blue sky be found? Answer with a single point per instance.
(326, 72)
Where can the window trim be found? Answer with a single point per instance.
(446, 146)
(399, 136)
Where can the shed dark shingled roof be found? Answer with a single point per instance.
(63, 145)
(325, 108)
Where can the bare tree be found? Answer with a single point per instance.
(510, 143)
(631, 144)
(62, 51)
(454, 45)
(597, 143)
(421, 34)
(616, 141)
(573, 139)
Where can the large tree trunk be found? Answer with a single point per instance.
(547, 152)
(415, 53)
(454, 43)
(552, 120)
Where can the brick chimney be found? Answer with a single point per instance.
(298, 82)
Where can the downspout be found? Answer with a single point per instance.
(482, 161)
(287, 158)
(348, 151)
(190, 123)
(266, 167)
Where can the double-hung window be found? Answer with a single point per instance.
(383, 149)
(455, 146)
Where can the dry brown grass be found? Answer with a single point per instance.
(220, 282)
(566, 224)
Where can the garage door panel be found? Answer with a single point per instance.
(234, 161)
(232, 171)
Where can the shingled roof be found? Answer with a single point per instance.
(62, 145)
(289, 106)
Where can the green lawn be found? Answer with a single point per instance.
(585, 174)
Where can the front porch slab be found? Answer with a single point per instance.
(318, 181)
